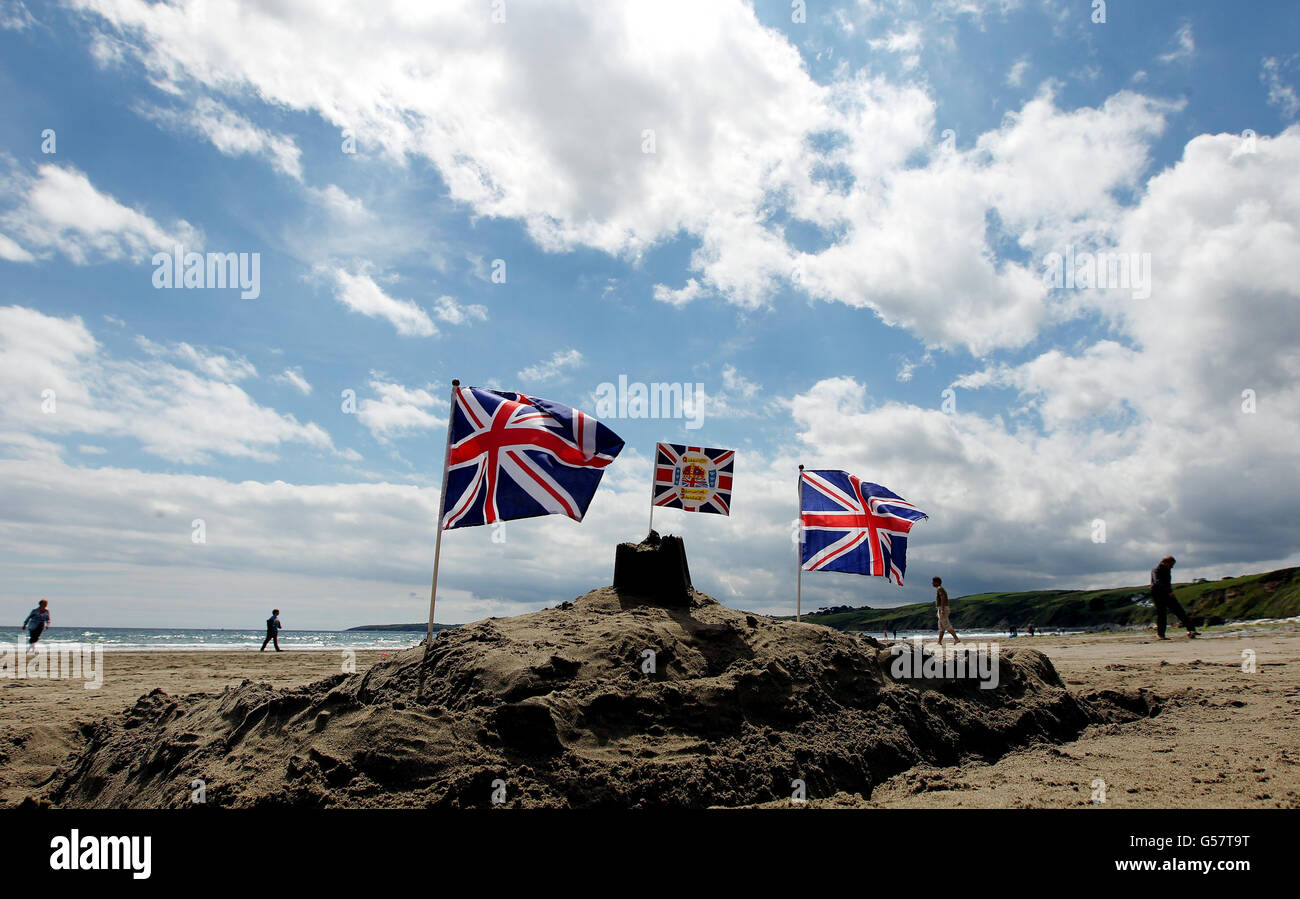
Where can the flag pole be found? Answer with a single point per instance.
(654, 464)
(798, 578)
(442, 498)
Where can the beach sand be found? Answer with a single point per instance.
(1222, 738)
(40, 720)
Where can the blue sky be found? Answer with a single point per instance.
(803, 242)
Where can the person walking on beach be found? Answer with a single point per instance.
(38, 619)
(272, 631)
(1162, 595)
(941, 601)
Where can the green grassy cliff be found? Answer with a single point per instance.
(1272, 595)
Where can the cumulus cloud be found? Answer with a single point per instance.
(11, 252)
(397, 410)
(60, 211)
(613, 155)
(340, 203)
(231, 133)
(1145, 428)
(359, 292)
(215, 365)
(333, 555)
(1199, 397)
(731, 396)
(56, 380)
(1016, 74)
(691, 290)
(1280, 93)
(295, 379)
(454, 313)
(555, 367)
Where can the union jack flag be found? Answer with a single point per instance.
(853, 526)
(517, 456)
(693, 478)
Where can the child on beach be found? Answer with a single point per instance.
(272, 631)
(941, 601)
(38, 619)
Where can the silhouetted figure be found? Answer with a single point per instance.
(38, 619)
(941, 603)
(272, 631)
(1162, 595)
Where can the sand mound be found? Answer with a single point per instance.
(561, 706)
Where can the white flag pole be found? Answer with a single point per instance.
(798, 553)
(654, 466)
(442, 499)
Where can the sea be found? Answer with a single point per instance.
(987, 636)
(176, 639)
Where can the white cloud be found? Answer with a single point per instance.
(737, 397)
(1065, 389)
(61, 211)
(55, 379)
(1184, 45)
(1133, 428)
(736, 383)
(231, 133)
(907, 368)
(1280, 94)
(691, 290)
(453, 313)
(340, 203)
(360, 293)
(399, 410)
(554, 147)
(333, 555)
(11, 252)
(555, 367)
(918, 249)
(14, 16)
(294, 378)
(214, 365)
(1016, 74)
(560, 148)
(907, 43)
(1199, 400)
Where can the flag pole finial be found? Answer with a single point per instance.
(455, 382)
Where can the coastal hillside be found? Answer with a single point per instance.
(1275, 594)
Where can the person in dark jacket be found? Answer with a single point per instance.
(38, 619)
(273, 631)
(1162, 595)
